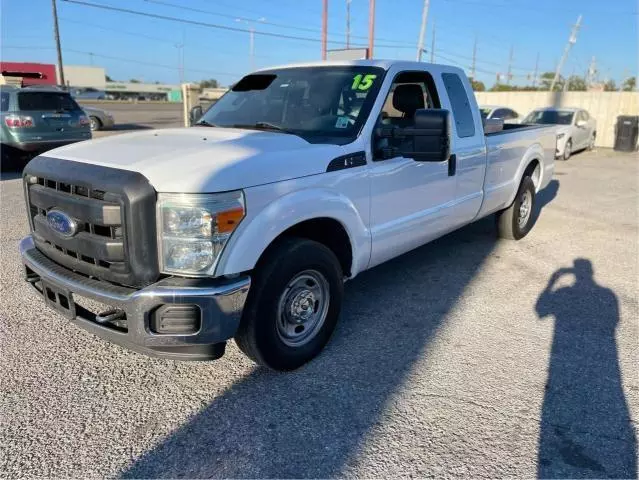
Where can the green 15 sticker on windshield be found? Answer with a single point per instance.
(363, 82)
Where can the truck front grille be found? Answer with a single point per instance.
(114, 214)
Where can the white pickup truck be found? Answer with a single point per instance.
(247, 224)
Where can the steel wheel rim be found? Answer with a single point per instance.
(94, 123)
(525, 208)
(302, 308)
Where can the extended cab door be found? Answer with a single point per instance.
(411, 200)
(469, 146)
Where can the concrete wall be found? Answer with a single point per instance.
(81, 76)
(603, 106)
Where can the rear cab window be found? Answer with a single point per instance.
(46, 101)
(462, 112)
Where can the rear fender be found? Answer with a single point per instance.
(534, 152)
(256, 232)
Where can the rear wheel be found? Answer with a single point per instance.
(517, 220)
(293, 304)
(96, 124)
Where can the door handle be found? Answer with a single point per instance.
(452, 165)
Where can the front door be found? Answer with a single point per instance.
(582, 133)
(410, 200)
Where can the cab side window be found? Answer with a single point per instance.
(460, 104)
(410, 92)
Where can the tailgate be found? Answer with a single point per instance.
(55, 116)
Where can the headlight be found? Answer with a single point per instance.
(193, 229)
(560, 136)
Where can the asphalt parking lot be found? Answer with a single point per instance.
(139, 116)
(467, 357)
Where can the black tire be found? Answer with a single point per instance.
(508, 224)
(591, 142)
(96, 124)
(259, 335)
(567, 150)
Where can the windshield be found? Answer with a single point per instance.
(311, 102)
(47, 101)
(550, 117)
(484, 112)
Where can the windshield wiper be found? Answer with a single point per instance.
(262, 126)
(204, 123)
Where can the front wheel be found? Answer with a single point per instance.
(591, 142)
(517, 220)
(567, 150)
(293, 304)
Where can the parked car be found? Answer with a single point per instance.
(247, 224)
(577, 129)
(508, 115)
(87, 93)
(100, 119)
(36, 119)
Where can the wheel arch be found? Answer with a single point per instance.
(317, 214)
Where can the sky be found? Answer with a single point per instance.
(148, 49)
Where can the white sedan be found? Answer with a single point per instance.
(508, 115)
(577, 129)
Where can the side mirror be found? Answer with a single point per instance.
(581, 123)
(195, 114)
(427, 141)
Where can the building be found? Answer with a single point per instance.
(143, 91)
(92, 79)
(47, 72)
(85, 77)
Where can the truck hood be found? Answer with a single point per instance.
(201, 159)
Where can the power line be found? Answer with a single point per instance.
(213, 25)
(273, 24)
(121, 59)
(511, 6)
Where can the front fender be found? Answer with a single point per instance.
(258, 229)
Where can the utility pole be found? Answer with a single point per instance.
(432, 46)
(571, 41)
(591, 75)
(251, 40)
(371, 28)
(536, 72)
(472, 67)
(348, 24)
(324, 27)
(422, 31)
(56, 34)
(510, 66)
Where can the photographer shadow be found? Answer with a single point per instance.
(586, 429)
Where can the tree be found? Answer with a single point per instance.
(576, 84)
(502, 87)
(610, 86)
(477, 85)
(210, 83)
(108, 79)
(630, 84)
(134, 80)
(545, 80)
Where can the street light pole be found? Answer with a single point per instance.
(56, 34)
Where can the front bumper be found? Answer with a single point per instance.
(220, 304)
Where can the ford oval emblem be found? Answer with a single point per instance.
(61, 223)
